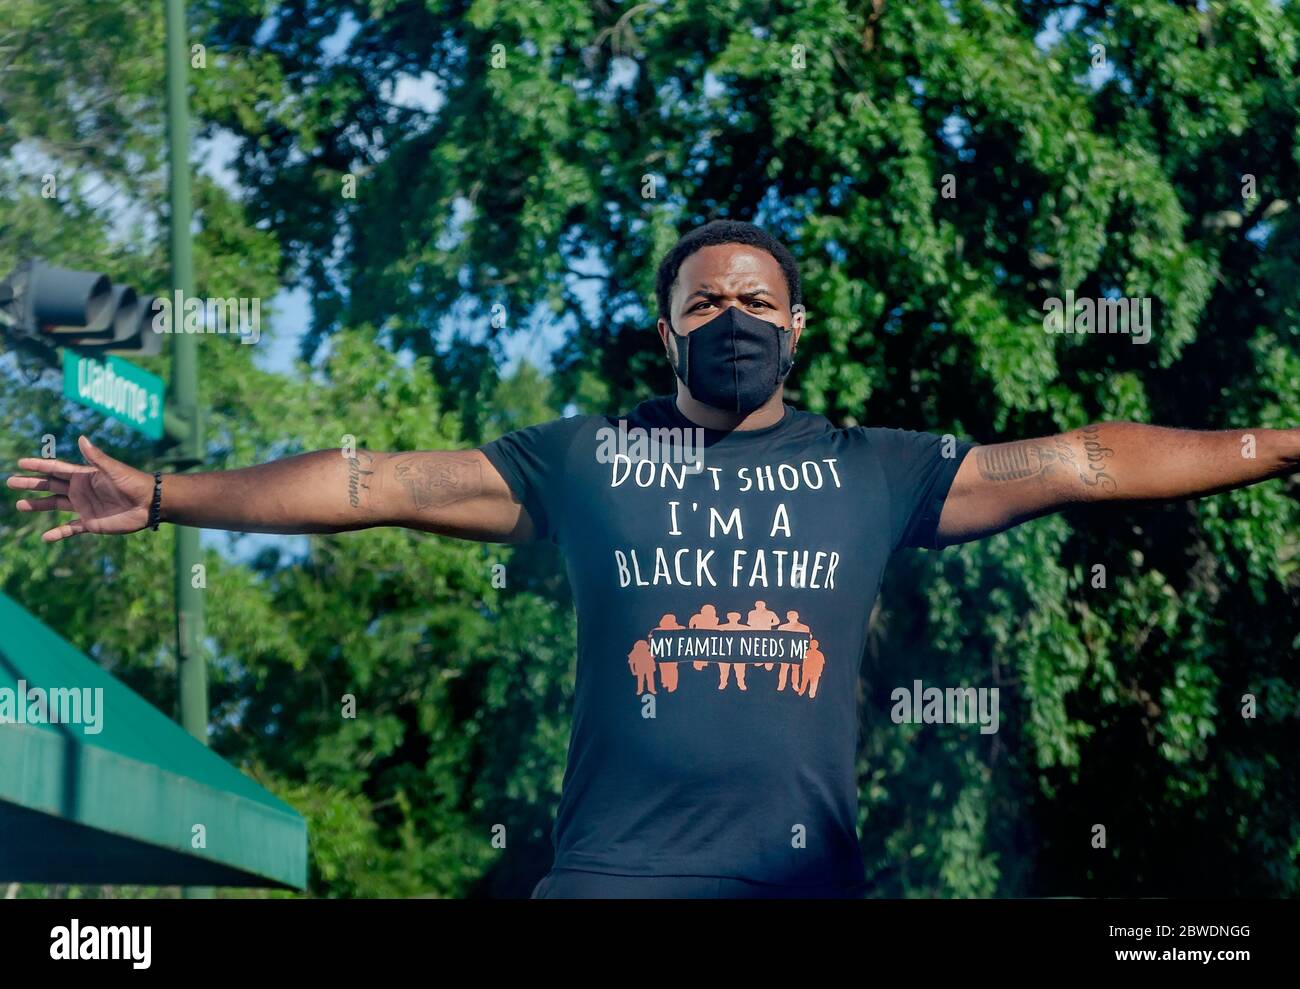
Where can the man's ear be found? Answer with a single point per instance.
(665, 335)
(797, 322)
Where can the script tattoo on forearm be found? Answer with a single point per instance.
(441, 480)
(358, 477)
(1097, 453)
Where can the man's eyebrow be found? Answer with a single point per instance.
(706, 290)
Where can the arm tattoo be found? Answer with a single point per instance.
(1036, 458)
(359, 475)
(1097, 453)
(439, 480)
(1015, 461)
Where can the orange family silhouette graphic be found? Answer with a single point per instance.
(669, 642)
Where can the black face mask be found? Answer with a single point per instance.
(734, 361)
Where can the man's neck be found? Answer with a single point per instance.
(768, 414)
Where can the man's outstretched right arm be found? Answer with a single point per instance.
(454, 493)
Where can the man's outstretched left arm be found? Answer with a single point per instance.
(1004, 484)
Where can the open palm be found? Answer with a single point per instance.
(108, 496)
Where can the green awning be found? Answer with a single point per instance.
(121, 804)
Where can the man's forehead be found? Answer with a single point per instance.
(730, 268)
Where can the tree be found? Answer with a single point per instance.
(941, 169)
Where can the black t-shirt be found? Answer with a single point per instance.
(757, 564)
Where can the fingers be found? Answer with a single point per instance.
(72, 528)
(96, 459)
(54, 503)
(56, 485)
(93, 454)
(56, 468)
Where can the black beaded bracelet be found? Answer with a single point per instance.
(155, 509)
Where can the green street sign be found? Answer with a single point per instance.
(117, 388)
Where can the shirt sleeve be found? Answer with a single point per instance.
(532, 462)
(919, 469)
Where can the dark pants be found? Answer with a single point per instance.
(574, 884)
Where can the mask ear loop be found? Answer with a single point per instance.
(787, 356)
(682, 367)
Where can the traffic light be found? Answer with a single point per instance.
(131, 328)
(83, 309)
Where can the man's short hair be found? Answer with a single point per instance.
(724, 232)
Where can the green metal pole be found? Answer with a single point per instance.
(183, 397)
